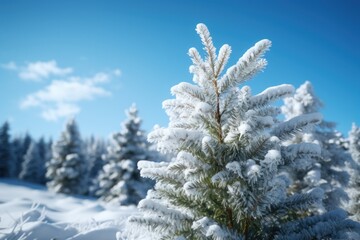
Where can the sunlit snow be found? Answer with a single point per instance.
(29, 211)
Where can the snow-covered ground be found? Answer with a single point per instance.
(29, 211)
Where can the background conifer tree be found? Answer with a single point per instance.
(225, 182)
(95, 153)
(44, 157)
(120, 180)
(328, 170)
(5, 150)
(18, 157)
(66, 170)
(353, 205)
(31, 166)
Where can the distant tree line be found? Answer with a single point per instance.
(106, 169)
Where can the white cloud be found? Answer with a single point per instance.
(61, 98)
(60, 110)
(10, 66)
(99, 78)
(37, 71)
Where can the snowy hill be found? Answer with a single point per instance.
(29, 211)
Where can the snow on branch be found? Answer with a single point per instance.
(286, 129)
(210, 228)
(271, 94)
(172, 214)
(302, 202)
(293, 151)
(188, 90)
(206, 40)
(152, 170)
(222, 60)
(246, 67)
(331, 225)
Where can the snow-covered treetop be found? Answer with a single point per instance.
(70, 140)
(133, 122)
(304, 101)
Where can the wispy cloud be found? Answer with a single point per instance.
(61, 98)
(10, 66)
(37, 71)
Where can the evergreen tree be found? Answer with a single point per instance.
(26, 141)
(24, 146)
(18, 156)
(44, 157)
(31, 166)
(120, 180)
(95, 153)
(327, 171)
(5, 150)
(66, 171)
(353, 205)
(225, 182)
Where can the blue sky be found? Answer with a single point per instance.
(115, 53)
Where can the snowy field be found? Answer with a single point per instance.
(29, 211)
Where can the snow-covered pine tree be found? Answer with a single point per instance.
(328, 170)
(31, 166)
(66, 171)
(119, 181)
(224, 182)
(44, 157)
(95, 151)
(15, 166)
(5, 150)
(353, 205)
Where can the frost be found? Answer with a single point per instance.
(313, 177)
(191, 190)
(253, 172)
(203, 108)
(244, 128)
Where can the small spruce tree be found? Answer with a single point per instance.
(120, 180)
(5, 150)
(225, 182)
(18, 156)
(66, 171)
(31, 167)
(44, 157)
(95, 153)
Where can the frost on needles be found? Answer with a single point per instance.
(225, 181)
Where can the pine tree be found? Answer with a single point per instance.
(15, 166)
(5, 150)
(31, 166)
(120, 180)
(44, 157)
(24, 146)
(327, 171)
(95, 153)
(354, 189)
(66, 171)
(225, 182)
